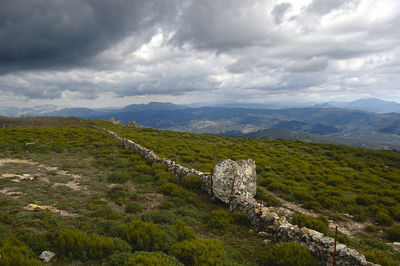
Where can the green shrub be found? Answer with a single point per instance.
(142, 167)
(172, 189)
(365, 200)
(112, 228)
(160, 217)
(393, 234)
(335, 181)
(329, 202)
(118, 192)
(268, 199)
(6, 218)
(121, 245)
(387, 201)
(105, 211)
(36, 241)
(260, 194)
(382, 218)
(133, 207)
(271, 200)
(372, 228)
(79, 245)
(222, 219)
(360, 217)
(199, 251)
(395, 213)
(117, 259)
(289, 253)
(142, 178)
(119, 177)
(343, 238)
(141, 258)
(143, 236)
(319, 224)
(313, 205)
(302, 195)
(184, 232)
(192, 182)
(14, 252)
(380, 257)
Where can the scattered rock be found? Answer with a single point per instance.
(133, 124)
(114, 121)
(17, 178)
(241, 175)
(270, 217)
(267, 241)
(32, 207)
(396, 245)
(46, 256)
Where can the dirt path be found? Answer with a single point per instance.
(73, 184)
(38, 171)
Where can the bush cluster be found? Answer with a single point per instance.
(143, 236)
(222, 219)
(174, 190)
(393, 234)
(289, 253)
(14, 252)
(319, 224)
(199, 251)
(79, 245)
(151, 259)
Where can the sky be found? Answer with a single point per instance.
(101, 53)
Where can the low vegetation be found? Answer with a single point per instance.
(110, 207)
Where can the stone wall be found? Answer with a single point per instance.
(262, 218)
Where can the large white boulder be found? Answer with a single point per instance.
(242, 173)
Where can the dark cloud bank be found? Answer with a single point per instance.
(224, 50)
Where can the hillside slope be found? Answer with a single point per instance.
(358, 126)
(81, 179)
(77, 192)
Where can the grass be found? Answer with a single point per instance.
(332, 177)
(96, 206)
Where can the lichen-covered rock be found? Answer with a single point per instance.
(239, 174)
(46, 256)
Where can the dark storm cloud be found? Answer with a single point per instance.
(52, 33)
(91, 49)
(222, 24)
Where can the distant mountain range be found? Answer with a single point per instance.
(319, 123)
(369, 105)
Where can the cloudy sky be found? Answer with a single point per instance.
(100, 53)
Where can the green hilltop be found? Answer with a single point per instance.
(72, 189)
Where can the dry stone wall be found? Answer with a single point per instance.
(262, 218)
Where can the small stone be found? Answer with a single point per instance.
(270, 216)
(46, 256)
(266, 241)
(396, 245)
(263, 234)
